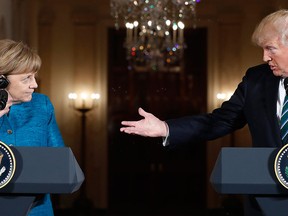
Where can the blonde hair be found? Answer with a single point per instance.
(17, 58)
(273, 25)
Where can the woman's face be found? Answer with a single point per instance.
(21, 86)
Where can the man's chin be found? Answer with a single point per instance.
(278, 73)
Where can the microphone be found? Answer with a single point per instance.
(286, 85)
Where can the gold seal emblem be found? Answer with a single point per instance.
(7, 164)
(281, 166)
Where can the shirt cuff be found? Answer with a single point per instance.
(166, 139)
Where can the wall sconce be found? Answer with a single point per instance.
(223, 96)
(83, 103)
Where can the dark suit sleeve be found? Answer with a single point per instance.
(229, 117)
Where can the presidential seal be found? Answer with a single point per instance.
(7, 164)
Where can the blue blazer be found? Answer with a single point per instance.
(254, 102)
(32, 124)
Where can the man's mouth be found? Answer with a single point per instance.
(273, 67)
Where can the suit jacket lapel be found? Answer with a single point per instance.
(271, 95)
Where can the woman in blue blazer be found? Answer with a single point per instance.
(28, 118)
(257, 101)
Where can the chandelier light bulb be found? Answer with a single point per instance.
(168, 22)
(181, 25)
(174, 27)
(129, 25)
(136, 23)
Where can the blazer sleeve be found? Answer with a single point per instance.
(221, 121)
(54, 135)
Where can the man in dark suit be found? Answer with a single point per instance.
(257, 101)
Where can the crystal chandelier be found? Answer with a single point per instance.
(154, 31)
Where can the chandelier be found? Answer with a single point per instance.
(154, 31)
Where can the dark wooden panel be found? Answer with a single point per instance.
(144, 176)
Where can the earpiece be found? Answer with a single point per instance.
(3, 98)
(4, 82)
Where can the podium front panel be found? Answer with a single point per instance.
(246, 171)
(44, 170)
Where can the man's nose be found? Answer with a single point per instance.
(266, 56)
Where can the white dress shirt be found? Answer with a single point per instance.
(280, 99)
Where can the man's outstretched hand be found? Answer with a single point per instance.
(149, 126)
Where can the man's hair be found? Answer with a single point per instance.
(17, 58)
(273, 25)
